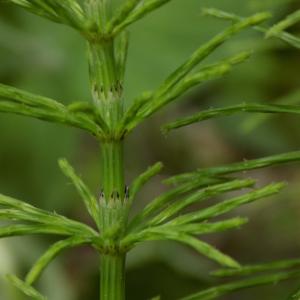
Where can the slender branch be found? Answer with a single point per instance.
(13, 94)
(245, 165)
(25, 288)
(282, 35)
(25, 211)
(252, 269)
(204, 51)
(19, 230)
(289, 21)
(121, 54)
(228, 205)
(205, 249)
(142, 179)
(67, 11)
(16, 101)
(220, 290)
(163, 200)
(227, 111)
(197, 197)
(178, 82)
(50, 254)
(254, 121)
(133, 15)
(122, 13)
(88, 198)
(192, 229)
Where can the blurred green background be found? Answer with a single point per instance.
(49, 59)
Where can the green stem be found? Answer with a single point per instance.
(112, 170)
(106, 86)
(112, 282)
(113, 221)
(107, 98)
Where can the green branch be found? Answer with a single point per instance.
(9, 93)
(121, 53)
(24, 211)
(192, 229)
(289, 21)
(88, 198)
(25, 288)
(254, 121)
(66, 11)
(50, 254)
(282, 35)
(19, 230)
(122, 13)
(228, 205)
(224, 289)
(198, 196)
(164, 199)
(16, 101)
(227, 111)
(245, 165)
(252, 269)
(167, 233)
(132, 12)
(179, 81)
(142, 179)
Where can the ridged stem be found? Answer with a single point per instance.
(113, 221)
(106, 87)
(112, 281)
(107, 98)
(112, 170)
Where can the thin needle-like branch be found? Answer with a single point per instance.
(191, 228)
(88, 198)
(282, 35)
(227, 111)
(246, 270)
(142, 179)
(50, 254)
(28, 212)
(179, 81)
(289, 21)
(224, 289)
(242, 166)
(17, 101)
(66, 11)
(228, 205)
(25, 288)
(122, 13)
(207, 250)
(198, 196)
(133, 15)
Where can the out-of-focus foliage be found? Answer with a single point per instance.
(49, 59)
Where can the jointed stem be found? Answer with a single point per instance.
(112, 282)
(112, 170)
(107, 93)
(106, 87)
(113, 217)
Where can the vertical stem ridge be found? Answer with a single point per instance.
(104, 78)
(112, 170)
(112, 279)
(114, 217)
(107, 98)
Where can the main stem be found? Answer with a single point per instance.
(107, 97)
(112, 170)
(112, 278)
(113, 221)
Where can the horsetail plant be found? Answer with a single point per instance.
(107, 120)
